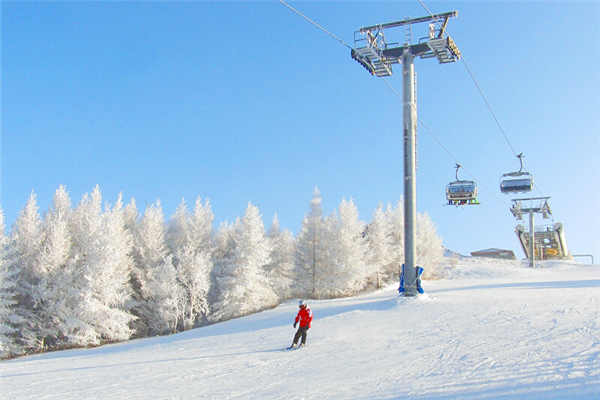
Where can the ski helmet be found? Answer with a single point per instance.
(302, 303)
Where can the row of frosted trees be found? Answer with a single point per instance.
(100, 273)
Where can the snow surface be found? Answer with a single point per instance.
(491, 329)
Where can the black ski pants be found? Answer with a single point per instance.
(302, 331)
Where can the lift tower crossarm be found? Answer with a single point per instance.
(435, 17)
(443, 28)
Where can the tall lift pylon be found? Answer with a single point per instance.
(377, 56)
(542, 243)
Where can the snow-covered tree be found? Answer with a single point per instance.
(242, 284)
(351, 268)
(396, 220)
(201, 227)
(102, 279)
(224, 242)
(193, 273)
(190, 239)
(25, 246)
(429, 247)
(167, 299)
(8, 322)
(157, 291)
(379, 239)
(280, 271)
(131, 216)
(313, 250)
(56, 263)
(192, 229)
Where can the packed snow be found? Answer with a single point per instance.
(489, 329)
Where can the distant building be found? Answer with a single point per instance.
(495, 253)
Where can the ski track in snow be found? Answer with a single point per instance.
(491, 329)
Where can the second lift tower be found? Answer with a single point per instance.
(377, 56)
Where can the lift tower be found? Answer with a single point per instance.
(377, 56)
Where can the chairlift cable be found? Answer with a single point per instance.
(480, 91)
(314, 23)
(446, 149)
(486, 102)
(466, 170)
(400, 97)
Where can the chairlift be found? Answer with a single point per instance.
(461, 193)
(516, 182)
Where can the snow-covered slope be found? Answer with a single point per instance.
(492, 329)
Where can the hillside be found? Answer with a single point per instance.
(490, 329)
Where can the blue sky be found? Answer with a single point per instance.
(247, 101)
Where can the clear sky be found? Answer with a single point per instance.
(247, 101)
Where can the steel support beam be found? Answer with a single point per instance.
(531, 240)
(436, 17)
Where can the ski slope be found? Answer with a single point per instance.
(491, 329)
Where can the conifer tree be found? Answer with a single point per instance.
(396, 220)
(25, 246)
(429, 247)
(56, 263)
(242, 284)
(280, 271)
(101, 283)
(190, 239)
(8, 319)
(178, 230)
(131, 216)
(350, 270)
(379, 240)
(313, 252)
(157, 291)
(201, 227)
(193, 273)
(167, 299)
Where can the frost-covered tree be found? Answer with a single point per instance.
(242, 284)
(8, 319)
(178, 229)
(57, 264)
(157, 291)
(313, 251)
(429, 247)
(192, 229)
(102, 279)
(201, 227)
(190, 238)
(25, 246)
(225, 238)
(280, 271)
(193, 273)
(131, 216)
(379, 239)
(396, 220)
(351, 267)
(167, 299)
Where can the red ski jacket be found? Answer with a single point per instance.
(305, 317)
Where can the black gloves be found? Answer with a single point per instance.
(295, 324)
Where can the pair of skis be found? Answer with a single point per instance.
(294, 347)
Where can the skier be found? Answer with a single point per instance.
(304, 317)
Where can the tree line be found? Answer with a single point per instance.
(99, 273)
